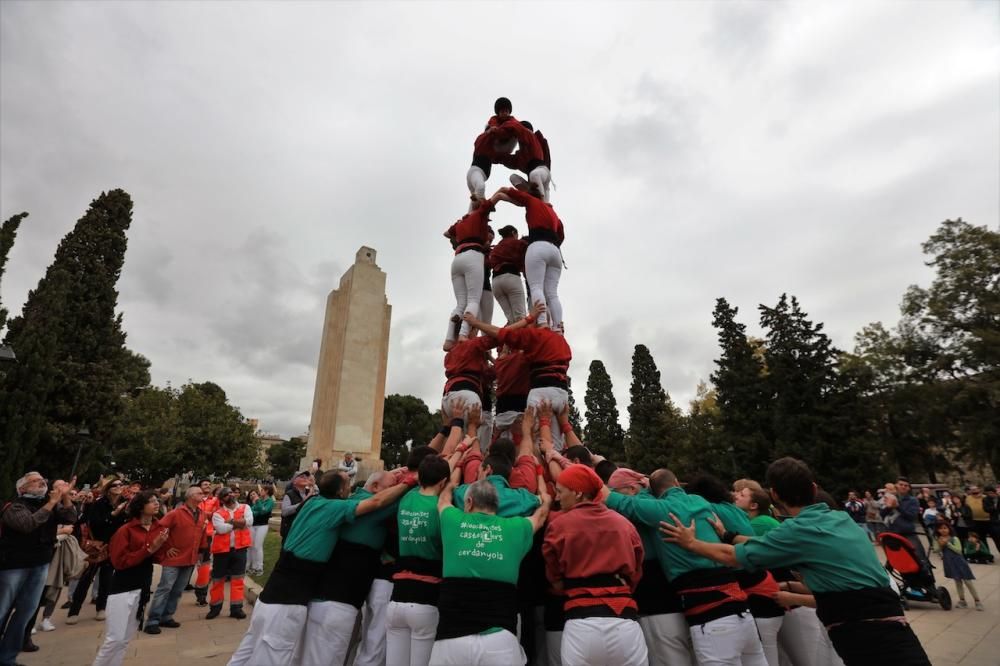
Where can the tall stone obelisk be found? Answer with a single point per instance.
(350, 376)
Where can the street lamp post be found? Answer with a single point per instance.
(81, 435)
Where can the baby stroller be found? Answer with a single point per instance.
(913, 574)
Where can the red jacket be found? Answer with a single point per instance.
(130, 544)
(471, 230)
(592, 540)
(508, 254)
(546, 351)
(187, 534)
(486, 143)
(529, 153)
(466, 362)
(513, 374)
(543, 223)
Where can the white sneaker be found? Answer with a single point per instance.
(47, 625)
(100, 615)
(72, 619)
(961, 604)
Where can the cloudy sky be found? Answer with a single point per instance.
(699, 149)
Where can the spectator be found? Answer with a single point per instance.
(262, 506)
(856, 508)
(961, 517)
(980, 515)
(873, 520)
(187, 536)
(955, 566)
(27, 543)
(931, 515)
(298, 491)
(991, 505)
(349, 466)
(908, 513)
(977, 551)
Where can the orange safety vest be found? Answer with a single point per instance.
(209, 505)
(220, 542)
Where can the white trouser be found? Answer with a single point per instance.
(542, 268)
(802, 639)
(119, 627)
(471, 399)
(541, 177)
(410, 633)
(556, 397)
(767, 628)
(509, 292)
(371, 651)
(467, 281)
(475, 178)
(595, 641)
(668, 639)
(504, 423)
(497, 649)
(328, 632)
(257, 548)
(275, 632)
(553, 647)
(728, 641)
(485, 431)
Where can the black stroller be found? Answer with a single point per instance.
(913, 574)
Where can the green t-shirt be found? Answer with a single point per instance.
(763, 524)
(419, 526)
(733, 518)
(513, 501)
(369, 529)
(649, 535)
(480, 545)
(648, 510)
(826, 547)
(315, 530)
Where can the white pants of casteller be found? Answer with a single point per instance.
(475, 178)
(503, 423)
(540, 177)
(728, 641)
(668, 639)
(467, 281)
(485, 431)
(542, 269)
(595, 641)
(497, 649)
(556, 397)
(802, 639)
(371, 651)
(449, 399)
(328, 632)
(119, 627)
(509, 292)
(257, 548)
(276, 630)
(410, 633)
(767, 628)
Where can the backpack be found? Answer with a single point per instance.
(546, 156)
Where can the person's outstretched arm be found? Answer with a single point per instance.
(684, 536)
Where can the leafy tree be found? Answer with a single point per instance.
(406, 422)
(575, 419)
(8, 232)
(655, 423)
(73, 366)
(217, 438)
(284, 457)
(702, 448)
(148, 443)
(603, 433)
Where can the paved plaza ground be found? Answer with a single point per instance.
(966, 637)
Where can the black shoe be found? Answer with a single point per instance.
(188, 587)
(66, 605)
(237, 613)
(213, 612)
(152, 629)
(29, 646)
(170, 624)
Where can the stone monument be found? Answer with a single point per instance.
(350, 376)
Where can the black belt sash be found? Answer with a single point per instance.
(709, 594)
(292, 581)
(870, 603)
(654, 594)
(549, 374)
(506, 269)
(602, 595)
(536, 235)
(512, 403)
(471, 606)
(348, 575)
(412, 583)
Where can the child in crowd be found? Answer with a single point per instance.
(955, 566)
(976, 551)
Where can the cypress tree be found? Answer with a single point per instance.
(603, 433)
(574, 413)
(73, 366)
(654, 422)
(8, 232)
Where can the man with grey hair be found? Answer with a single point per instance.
(482, 558)
(349, 466)
(27, 543)
(187, 537)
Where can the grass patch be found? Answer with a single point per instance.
(272, 548)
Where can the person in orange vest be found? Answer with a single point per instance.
(230, 546)
(207, 507)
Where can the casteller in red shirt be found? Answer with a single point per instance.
(543, 223)
(465, 364)
(507, 256)
(546, 351)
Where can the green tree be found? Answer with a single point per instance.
(284, 457)
(148, 442)
(217, 439)
(603, 433)
(655, 423)
(406, 422)
(575, 419)
(73, 366)
(702, 448)
(8, 232)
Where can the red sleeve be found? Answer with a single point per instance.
(552, 548)
(125, 551)
(485, 342)
(523, 475)
(470, 467)
(452, 230)
(639, 553)
(519, 198)
(518, 337)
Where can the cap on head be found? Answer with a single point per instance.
(581, 479)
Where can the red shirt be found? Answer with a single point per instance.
(508, 253)
(130, 544)
(187, 534)
(591, 539)
(540, 216)
(486, 143)
(466, 362)
(529, 153)
(513, 374)
(473, 229)
(543, 348)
